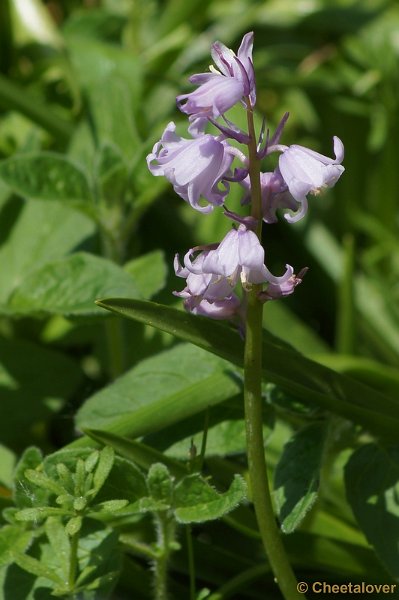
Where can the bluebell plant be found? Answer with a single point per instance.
(201, 169)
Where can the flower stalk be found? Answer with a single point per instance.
(253, 404)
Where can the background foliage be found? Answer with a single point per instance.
(86, 88)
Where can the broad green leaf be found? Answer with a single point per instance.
(45, 176)
(69, 286)
(158, 392)
(302, 377)
(196, 501)
(13, 539)
(149, 272)
(160, 483)
(36, 238)
(111, 79)
(28, 398)
(112, 173)
(296, 478)
(372, 487)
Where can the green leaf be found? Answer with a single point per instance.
(103, 469)
(124, 479)
(26, 494)
(39, 513)
(196, 501)
(159, 391)
(372, 487)
(45, 176)
(28, 398)
(59, 542)
(73, 526)
(302, 377)
(69, 286)
(36, 238)
(296, 479)
(148, 272)
(32, 565)
(139, 453)
(41, 480)
(111, 78)
(160, 484)
(13, 539)
(111, 505)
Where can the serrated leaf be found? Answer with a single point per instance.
(160, 483)
(45, 176)
(296, 479)
(372, 488)
(304, 378)
(69, 286)
(196, 501)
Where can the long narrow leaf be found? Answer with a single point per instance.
(308, 380)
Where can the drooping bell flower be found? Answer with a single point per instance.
(199, 284)
(240, 255)
(275, 195)
(194, 167)
(223, 87)
(275, 291)
(308, 172)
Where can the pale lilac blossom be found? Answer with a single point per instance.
(275, 291)
(221, 89)
(200, 284)
(194, 167)
(240, 255)
(308, 172)
(275, 195)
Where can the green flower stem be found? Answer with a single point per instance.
(73, 560)
(165, 525)
(261, 496)
(191, 562)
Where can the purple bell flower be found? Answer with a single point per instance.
(228, 308)
(240, 255)
(275, 195)
(221, 89)
(275, 291)
(200, 284)
(194, 167)
(308, 172)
